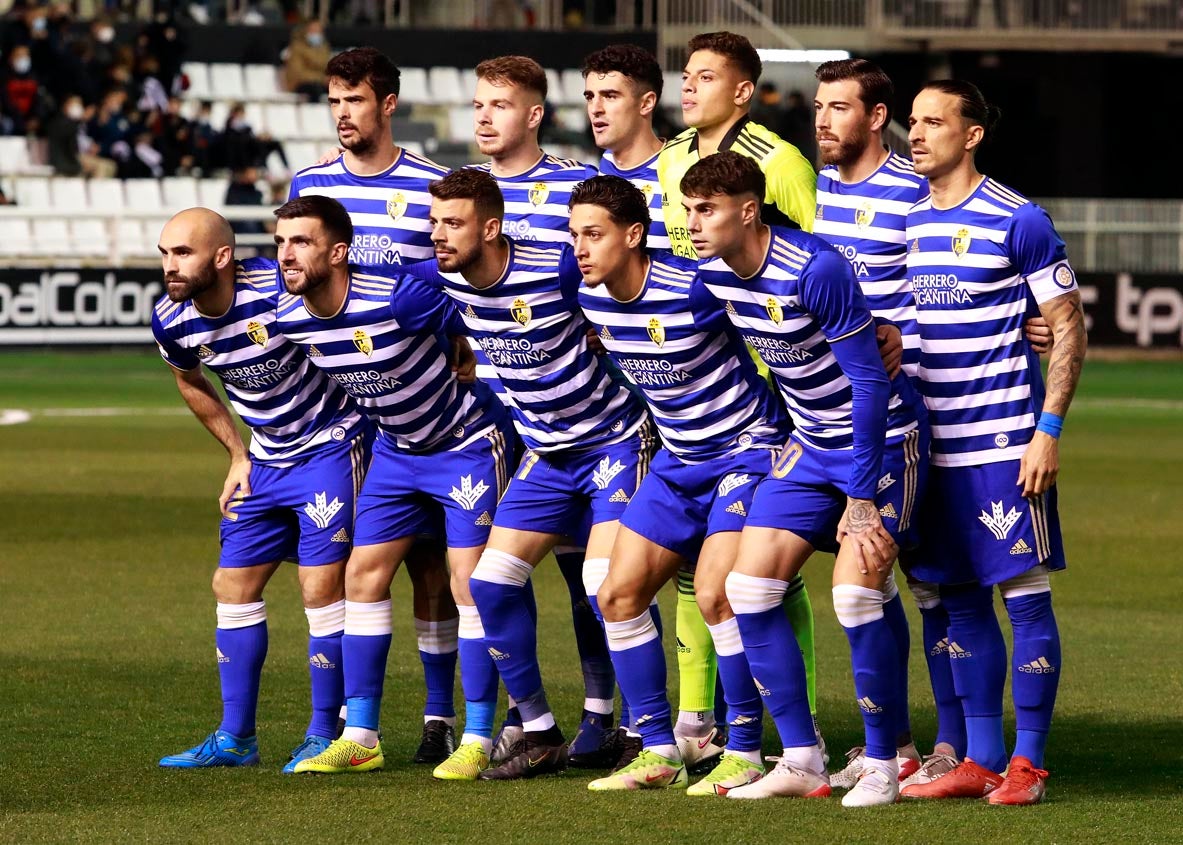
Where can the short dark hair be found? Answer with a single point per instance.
(521, 71)
(331, 214)
(630, 61)
(624, 201)
(737, 49)
(468, 183)
(365, 64)
(874, 85)
(974, 107)
(727, 173)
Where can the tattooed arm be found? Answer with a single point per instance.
(1041, 461)
(872, 545)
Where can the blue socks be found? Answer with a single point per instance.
(778, 669)
(935, 636)
(599, 678)
(1036, 671)
(875, 660)
(639, 659)
(897, 621)
(744, 710)
(977, 653)
(241, 641)
(326, 667)
(364, 648)
(478, 676)
(437, 642)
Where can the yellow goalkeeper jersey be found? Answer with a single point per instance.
(791, 195)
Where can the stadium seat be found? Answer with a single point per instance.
(460, 125)
(199, 80)
(282, 120)
(573, 86)
(302, 154)
(316, 123)
(413, 86)
(32, 192)
(262, 83)
(467, 83)
(554, 87)
(143, 194)
(132, 240)
(255, 117)
(226, 80)
(14, 154)
(68, 192)
(90, 237)
(219, 113)
(447, 89)
(671, 90)
(211, 193)
(51, 236)
(16, 236)
(106, 194)
(179, 192)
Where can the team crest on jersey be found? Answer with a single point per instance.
(521, 311)
(538, 193)
(257, 332)
(363, 343)
(656, 331)
(961, 242)
(396, 206)
(863, 215)
(775, 313)
(645, 188)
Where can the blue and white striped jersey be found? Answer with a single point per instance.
(975, 270)
(292, 409)
(865, 221)
(529, 325)
(402, 379)
(794, 311)
(644, 176)
(536, 200)
(389, 210)
(707, 398)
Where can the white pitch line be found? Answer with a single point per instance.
(17, 416)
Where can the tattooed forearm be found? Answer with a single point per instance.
(1065, 314)
(860, 516)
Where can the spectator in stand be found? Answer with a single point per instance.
(102, 39)
(162, 40)
(798, 126)
(767, 109)
(23, 99)
(110, 127)
(144, 161)
(308, 54)
(207, 142)
(174, 139)
(71, 151)
(243, 190)
(153, 90)
(243, 148)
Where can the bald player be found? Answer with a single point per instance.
(289, 496)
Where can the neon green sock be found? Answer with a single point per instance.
(696, 651)
(800, 613)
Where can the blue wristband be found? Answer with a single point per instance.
(1050, 424)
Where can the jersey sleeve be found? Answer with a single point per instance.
(706, 310)
(420, 306)
(171, 351)
(831, 294)
(858, 356)
(1037, 251)
(570, 279)
(294, 188)
(792, 185)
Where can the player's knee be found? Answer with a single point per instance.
(322, 585)
(618, 602)
(711, 595)
(237, 586)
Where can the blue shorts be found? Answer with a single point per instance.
(554, 493)
(976, 526)
(404, 491)
(302, 512)
(678, 505)
(805, 492)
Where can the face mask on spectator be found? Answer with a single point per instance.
(238, 124)
(75, 111)
(40, 24)
(105, 35)
(22, 64)
(315, 39)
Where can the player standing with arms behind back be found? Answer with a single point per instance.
(978, 254)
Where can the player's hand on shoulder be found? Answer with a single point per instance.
(237, 486)
(861, 527)
(1040, 465)
(891, 347)
(463, 361)
(1039, 335)
(330, 156)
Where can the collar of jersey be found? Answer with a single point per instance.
(728, 139)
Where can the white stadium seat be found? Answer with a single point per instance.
(255, 117)
(90, 237)
(302, 154)
(51, 236)
(460, 125)
(262, 82)
(212, 193)
(316, 122)
(219, 113)
(573, 86)
(16, 237)
(132, 240)
(32, 192)
(14, 154)
(468, 83)
(282, 120)
(554, 86)
(447, 89)
(143, 194)
(199, 81)
(671, 90)
(68, 193)
(226, 81)
(179, 192)
(106, 194)
(413, 86)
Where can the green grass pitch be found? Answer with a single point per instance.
(108, 538)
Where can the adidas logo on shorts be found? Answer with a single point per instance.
(1021, 548)
(484, 519)
(1038, 667)
(342, 536)
(737, 507)
(619, 496)
(888, 511)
